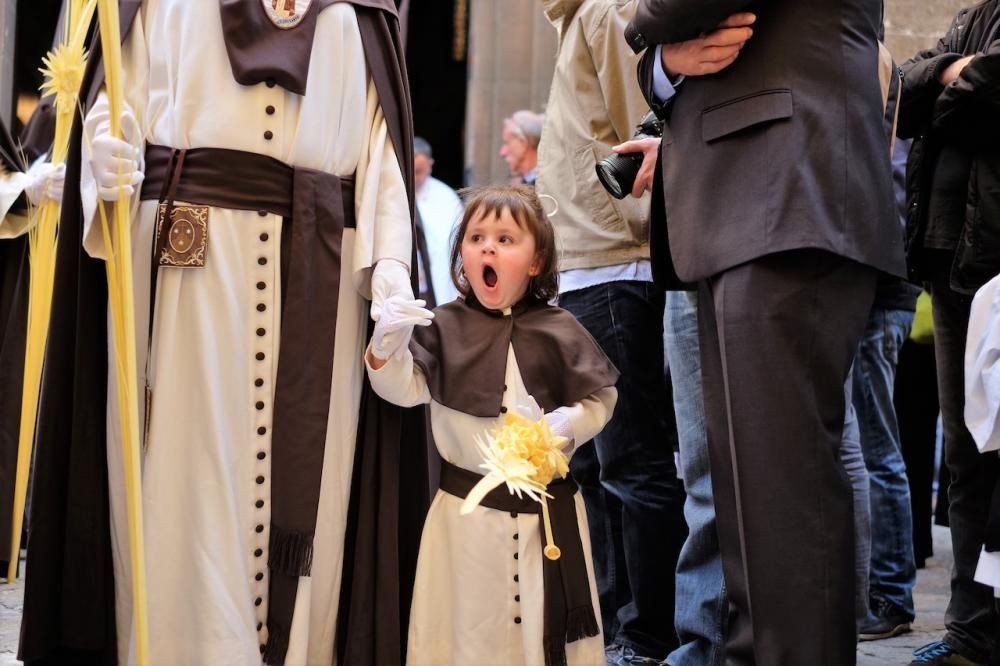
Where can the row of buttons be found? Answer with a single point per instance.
(259, 405)
(517, 597)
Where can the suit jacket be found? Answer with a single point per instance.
(785, 149)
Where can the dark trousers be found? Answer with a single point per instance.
(970, 619)
(634, 500)
(777, 338)
(916, 401)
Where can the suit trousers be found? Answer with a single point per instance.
(777, 337)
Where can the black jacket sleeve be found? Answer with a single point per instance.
(922, 85)
(670, 21)
(968, 110)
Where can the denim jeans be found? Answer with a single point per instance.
(970, 619)
(635, 501)
(893, 571)
(700, 612)
(853, 461)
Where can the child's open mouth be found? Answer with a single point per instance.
(489, 276)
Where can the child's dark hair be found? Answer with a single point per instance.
(525, 207)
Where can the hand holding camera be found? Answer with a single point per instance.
(630, 169)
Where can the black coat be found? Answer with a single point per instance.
(963, 116)
(784, 149)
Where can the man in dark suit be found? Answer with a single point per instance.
(777, 185)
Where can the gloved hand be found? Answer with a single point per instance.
(560, 425)
(395, 325)
(115, 163)
(46, 184)
(389, 278)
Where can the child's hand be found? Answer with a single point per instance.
(395, 325)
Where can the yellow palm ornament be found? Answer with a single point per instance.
(64, 73)
(526, 455)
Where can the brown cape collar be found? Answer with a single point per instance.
(260, 51)
(463, 355)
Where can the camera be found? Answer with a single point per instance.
(617, 172)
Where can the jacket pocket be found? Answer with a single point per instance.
(738, 114)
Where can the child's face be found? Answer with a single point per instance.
(499, 259)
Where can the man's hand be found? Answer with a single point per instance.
(951, 72)
(649, 147)
(710, 53)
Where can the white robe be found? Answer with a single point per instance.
(440, 212)
(465, 598)
(982, 395)
(201, 464)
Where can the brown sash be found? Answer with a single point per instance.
(317, 207)
(568, 610)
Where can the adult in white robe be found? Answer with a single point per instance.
(206, 480)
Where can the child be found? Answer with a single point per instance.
(484, 591)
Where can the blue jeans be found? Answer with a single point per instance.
(893, 571)
(701, 608)
(853, 461)
(628, 479)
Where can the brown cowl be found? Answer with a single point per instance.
(463, 355)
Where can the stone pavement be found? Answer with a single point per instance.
(931, 599)
(10, 620)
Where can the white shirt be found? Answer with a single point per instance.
(440, 211)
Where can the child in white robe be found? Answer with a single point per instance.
(484, 591)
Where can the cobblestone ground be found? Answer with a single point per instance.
(931, 599)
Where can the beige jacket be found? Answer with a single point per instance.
(595, 103)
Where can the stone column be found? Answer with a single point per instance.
(8, 15)
(512, 49)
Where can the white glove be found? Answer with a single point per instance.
(389, 278)
(561, 427)
(115, 163)
(47, 182)
(395, 325)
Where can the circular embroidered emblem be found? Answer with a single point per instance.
(285, 13)
(181, 235)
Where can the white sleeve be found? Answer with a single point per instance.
(381, 204)
(12, 185)
(982, 368)
(589, 416)
(399, 381)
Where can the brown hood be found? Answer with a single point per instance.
(463, 355)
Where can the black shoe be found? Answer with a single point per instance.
(885, 621)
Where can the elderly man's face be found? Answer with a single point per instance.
(514, 149)
(422, 166)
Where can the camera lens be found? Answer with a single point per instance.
(617, 173)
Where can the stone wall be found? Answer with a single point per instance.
(512, 55)
(913, 25)
(8, 12)
(512, 49)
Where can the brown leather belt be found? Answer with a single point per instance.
(569, 612)
(317, 207)
(237, 180)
